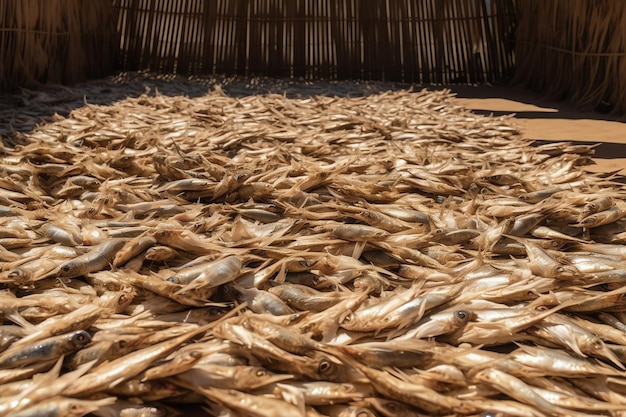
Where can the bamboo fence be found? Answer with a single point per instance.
(425, 41)
(574, 49)
(56, 41)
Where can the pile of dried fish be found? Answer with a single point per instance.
(387, 253)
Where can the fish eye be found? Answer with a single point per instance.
(392, 406)
(348, 388)
(324, 366)
(81, 337)
(462, 315)
(65, 268)
(16, 273)
(226, 291)
(260, 372)
(122, 344)
(308, 263)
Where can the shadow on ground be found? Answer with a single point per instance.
(549, 108)
(21, 112)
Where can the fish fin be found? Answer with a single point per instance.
(17, 318)
(519, 262)
(50, 376)
(117, 381)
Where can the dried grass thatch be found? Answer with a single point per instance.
(574, 49)
(56, 41)
(428, 41)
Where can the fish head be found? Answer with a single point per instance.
(596, 347)
(350, 321)
(461, 317)
(80, 339)
(126, 343)
(68, 269)
(19, 274)
(165, 236)
(77, 408)
(327, 264)
(566, 271)
(257, 377)
(161, 388)
(213, 313)
(330, 368)
(124, 299)
(174, 279)
(389, 408)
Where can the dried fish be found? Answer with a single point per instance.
(335, 249)
(45, 350)
(95, 260)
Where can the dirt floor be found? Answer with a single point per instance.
(543, 119)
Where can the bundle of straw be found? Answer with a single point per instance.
(574, 49)
(56, 41)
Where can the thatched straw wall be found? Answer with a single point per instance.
(431, 41)
(574, 49)
(56, 41)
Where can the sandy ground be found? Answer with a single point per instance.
(543, 119)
